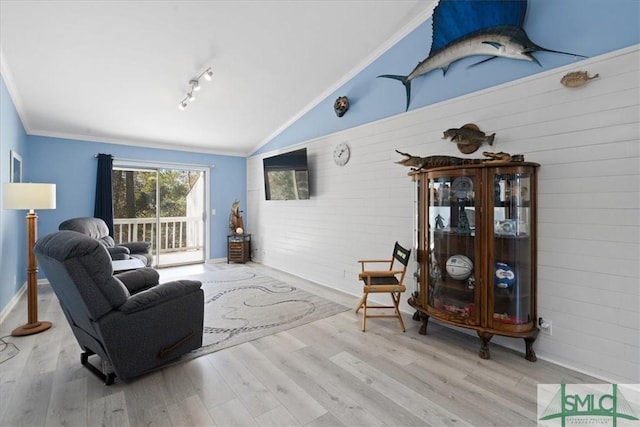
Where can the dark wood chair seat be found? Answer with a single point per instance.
(389, 281)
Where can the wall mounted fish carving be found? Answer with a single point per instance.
(475, 27)
(577, 78)
(468, 138)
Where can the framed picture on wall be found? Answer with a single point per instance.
(15, 167)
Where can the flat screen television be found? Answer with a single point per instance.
(286, 176)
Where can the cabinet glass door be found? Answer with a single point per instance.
(450, 247)
(512, 294)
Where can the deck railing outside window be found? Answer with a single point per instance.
(176, 233)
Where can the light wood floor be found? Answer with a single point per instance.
(327, 373)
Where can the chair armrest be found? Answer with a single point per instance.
(137, 247)
(364, 262)
(139, 279)
(118, 252)
(159, 294)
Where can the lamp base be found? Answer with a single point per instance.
(31, 328)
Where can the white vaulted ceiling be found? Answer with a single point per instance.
(115, 71)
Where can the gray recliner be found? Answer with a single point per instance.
(133, 323)
(97, 228)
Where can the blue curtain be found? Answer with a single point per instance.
(104, 193)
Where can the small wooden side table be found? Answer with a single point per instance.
(238, 248)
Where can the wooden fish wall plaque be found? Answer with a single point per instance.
(468, 138)
(577, 78)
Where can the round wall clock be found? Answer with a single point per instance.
(341, 154)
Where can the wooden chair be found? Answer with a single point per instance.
(384, 281)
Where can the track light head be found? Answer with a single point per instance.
(194, 86)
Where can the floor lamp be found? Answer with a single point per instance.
(31, 196)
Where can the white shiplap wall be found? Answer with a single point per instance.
(585, 139)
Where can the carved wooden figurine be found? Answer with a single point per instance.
(236, 226)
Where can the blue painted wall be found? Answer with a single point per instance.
(71, 165)
(13, 260)
(585, 27)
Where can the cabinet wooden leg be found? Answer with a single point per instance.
(530, 354)
(423, 328)
(416, 314)
(485, 337)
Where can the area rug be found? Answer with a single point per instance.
(241, 304)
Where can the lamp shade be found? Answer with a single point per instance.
(28, 195)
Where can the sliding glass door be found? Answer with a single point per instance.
(165, 206)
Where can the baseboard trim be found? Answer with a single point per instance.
(12, 302)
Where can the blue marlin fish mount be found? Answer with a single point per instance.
(475, 27)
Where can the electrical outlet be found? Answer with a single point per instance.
(546, 326)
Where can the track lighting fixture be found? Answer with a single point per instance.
(194, 86)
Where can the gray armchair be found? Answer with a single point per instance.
(97, 228)
(130, 321)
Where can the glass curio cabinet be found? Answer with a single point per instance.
(476, 233)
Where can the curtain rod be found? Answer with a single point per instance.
(158, 163)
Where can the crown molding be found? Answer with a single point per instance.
(7, 76)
